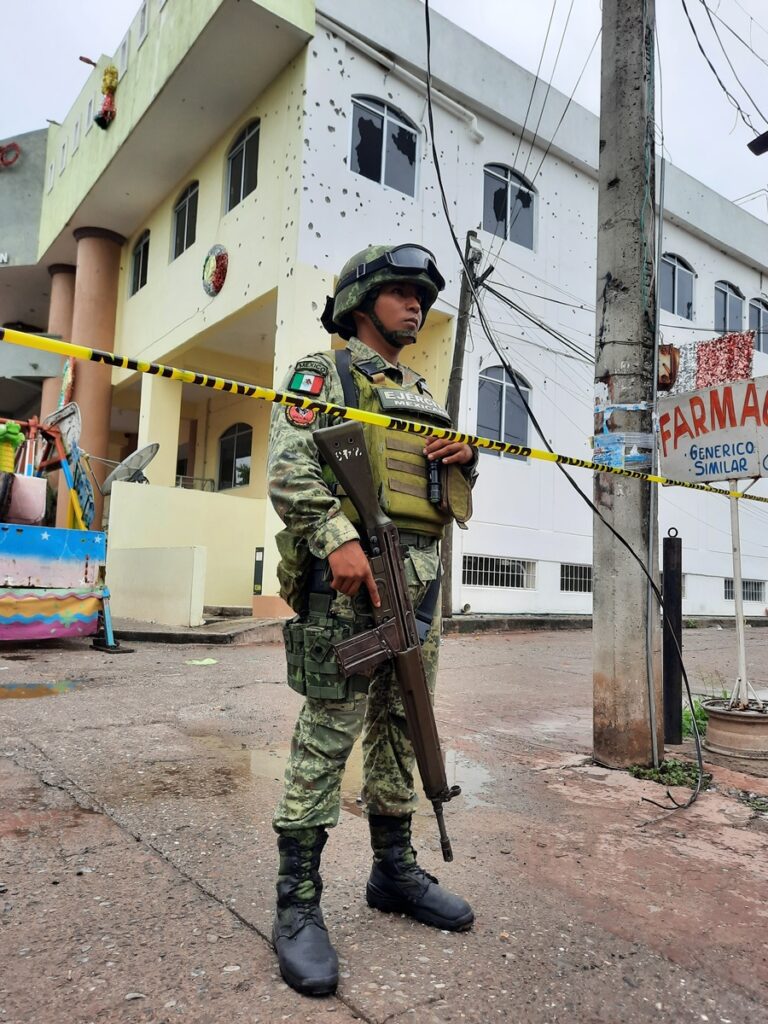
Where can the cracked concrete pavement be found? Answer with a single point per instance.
(137, 860)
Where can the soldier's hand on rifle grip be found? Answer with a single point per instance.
(351, 570)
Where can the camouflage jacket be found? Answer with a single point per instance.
(295, 482)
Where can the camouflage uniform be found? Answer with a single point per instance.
(327, 729)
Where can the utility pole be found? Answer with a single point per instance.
(472, 256)
(626, 682)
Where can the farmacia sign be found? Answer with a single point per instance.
(719, 433)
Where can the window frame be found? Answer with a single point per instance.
(232, 433)
(389, 114)
(191, 191)
(761, 305)
(140, 259)
(678, 264)
(76, 136)
(250, 130)
(143, 19)
(509, 177)
(730, 291)
(89, 115)
(747, 588)
(504, 383)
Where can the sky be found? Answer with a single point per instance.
(41, 76)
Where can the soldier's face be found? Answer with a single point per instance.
(398, 307)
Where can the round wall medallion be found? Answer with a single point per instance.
(215, 269)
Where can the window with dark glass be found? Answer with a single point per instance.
(509, 205)
(729, 304)
(242, 165)
(383, 145)
(758, 322)
(235, 456)
(501, 414)
(185, 219)
(676, 284)
(140, 262)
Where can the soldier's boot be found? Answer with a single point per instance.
(398, 885)
(307, 959)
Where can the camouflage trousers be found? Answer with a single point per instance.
(327, 730)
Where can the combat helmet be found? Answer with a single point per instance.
(373, 267)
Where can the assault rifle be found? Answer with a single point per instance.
(394, 636)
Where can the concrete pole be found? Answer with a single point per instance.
(740, 692)
(472, 256)
(626, 683)
(93, 324)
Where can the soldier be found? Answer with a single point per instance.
(380, 302)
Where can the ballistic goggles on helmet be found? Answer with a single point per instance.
(403, 259)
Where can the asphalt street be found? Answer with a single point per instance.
(137, 859)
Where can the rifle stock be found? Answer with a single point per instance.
(394, 635)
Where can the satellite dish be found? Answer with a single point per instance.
(131, 470)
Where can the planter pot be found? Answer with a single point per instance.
(736, 733)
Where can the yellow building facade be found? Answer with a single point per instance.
(173, 236)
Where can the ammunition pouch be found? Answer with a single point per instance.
(313, 666)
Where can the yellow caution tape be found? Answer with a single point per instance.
(235, 387)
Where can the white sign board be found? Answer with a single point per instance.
(719, 433)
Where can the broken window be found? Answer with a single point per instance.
(383, 145)
(508, 205)
(501, 414)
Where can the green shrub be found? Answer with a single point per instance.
(701, 719)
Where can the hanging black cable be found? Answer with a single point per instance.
(489, 335)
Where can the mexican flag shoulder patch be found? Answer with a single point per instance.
(308, 377)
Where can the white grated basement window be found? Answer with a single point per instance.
(492, 571)
(751, 590)
(576, 579)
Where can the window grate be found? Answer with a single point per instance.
(751, 590)
(576, 579)
(493, 571)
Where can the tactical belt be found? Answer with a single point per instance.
(321, 595)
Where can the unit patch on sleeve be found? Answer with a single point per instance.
(308, 377)
(300, 417)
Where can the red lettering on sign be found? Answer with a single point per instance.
(664, 431)
(718, 409)
(699, 415)
(680, 426)
(765, 409)
(751, 407)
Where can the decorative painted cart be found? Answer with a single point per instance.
(51, 578)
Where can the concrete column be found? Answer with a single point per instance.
(159, 421)
(59, 323)
(298, 332)
(93, 324)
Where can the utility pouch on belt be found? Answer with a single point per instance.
(313, 666)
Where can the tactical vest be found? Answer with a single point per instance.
(400, 469)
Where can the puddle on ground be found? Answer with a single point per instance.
(26, 691)
(269, 763)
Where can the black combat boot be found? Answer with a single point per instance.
(397, 883)
(308, 961)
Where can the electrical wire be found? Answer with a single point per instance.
(714, 14)
(730, 64)
(731, 99)
(537, 426)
